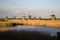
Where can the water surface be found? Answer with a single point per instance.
(45, 30)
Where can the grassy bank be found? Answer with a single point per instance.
(4, 28)
(24, 35)
(4, 24)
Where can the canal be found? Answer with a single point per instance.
(46, 30)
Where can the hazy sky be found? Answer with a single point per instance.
(39, 8)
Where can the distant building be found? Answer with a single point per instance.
(6, 18)
(53, 17)
(14, 17)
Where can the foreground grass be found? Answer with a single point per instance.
(24, 35)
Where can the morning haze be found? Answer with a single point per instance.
(38, 8)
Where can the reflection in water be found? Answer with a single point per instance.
(51, 31)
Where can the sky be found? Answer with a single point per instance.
(38, 8)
